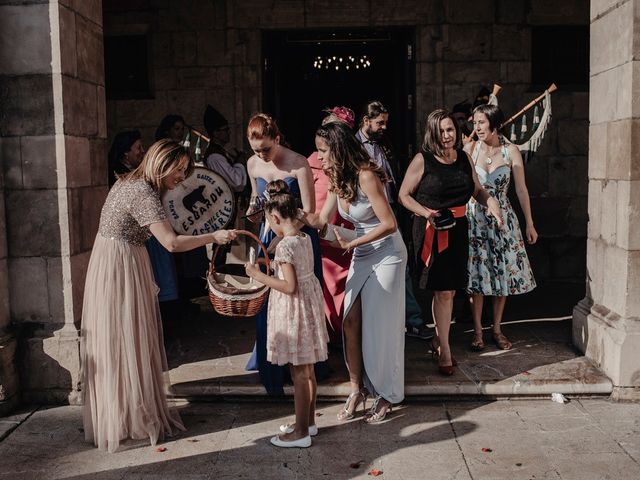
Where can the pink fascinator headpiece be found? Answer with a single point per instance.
(344, 114)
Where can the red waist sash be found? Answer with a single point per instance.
(443, 236)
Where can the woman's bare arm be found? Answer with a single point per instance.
(288, 284)
(182, 243)
(305, 181)
(410, 185)
(517, 166)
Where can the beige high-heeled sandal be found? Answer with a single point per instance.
(376, 416)
(345, 413)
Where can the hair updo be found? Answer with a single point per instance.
(262, 126)
(280, 199)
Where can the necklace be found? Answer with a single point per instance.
(490, 153)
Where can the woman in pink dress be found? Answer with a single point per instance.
(335, 261)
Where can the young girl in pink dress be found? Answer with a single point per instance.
(296, 330)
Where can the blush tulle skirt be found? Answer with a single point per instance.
(124, 379)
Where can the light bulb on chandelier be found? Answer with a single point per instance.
(338, 63)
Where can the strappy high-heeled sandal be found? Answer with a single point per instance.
(435, 354)
(446, 370)
(502, 341)
(477, 345)
(345, 412)
(376, 416)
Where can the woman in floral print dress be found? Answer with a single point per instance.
(498, 262)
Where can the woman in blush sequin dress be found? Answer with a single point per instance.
(122, 353)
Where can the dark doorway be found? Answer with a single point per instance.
(308, 71)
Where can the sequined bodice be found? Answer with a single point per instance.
(129, 209)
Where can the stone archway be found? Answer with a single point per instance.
(52, 92)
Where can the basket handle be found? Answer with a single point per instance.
(248, 234)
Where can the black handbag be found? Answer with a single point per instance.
(445, 220)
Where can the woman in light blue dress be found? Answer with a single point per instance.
(373, 327)
(498, 263)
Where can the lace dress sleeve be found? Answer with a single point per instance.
(285, 251)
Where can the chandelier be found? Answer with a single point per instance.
(341, 62)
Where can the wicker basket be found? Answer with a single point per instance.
(237, 302)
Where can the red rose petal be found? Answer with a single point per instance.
(161, 449)
(375, 472)
(485, 449)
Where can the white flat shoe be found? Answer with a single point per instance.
(303, 442)
(286, 428)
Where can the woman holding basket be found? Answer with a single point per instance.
(122, 353)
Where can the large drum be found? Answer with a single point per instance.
(203, 203)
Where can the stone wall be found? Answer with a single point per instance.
(8, 371)
(206, 51)
(21, 68)
(486, 42)
(53, 134)
(607, 322)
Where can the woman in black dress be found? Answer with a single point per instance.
(437, 186)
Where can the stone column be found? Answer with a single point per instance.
(606, 324)
(8, 370)
(53, 132)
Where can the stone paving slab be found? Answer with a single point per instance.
(11, 422)
(529, 439)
